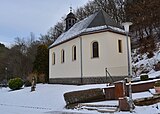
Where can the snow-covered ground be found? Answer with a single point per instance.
(49, 99)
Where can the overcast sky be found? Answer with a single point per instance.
(20, 17)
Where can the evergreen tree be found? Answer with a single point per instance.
(41, 62)
(3, 55)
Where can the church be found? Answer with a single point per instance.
(93, 50)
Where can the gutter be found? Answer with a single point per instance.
(81, 59)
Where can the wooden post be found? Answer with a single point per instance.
(119, 89)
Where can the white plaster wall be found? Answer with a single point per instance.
(109, 57)
(69, 68)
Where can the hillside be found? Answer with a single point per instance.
(145, 63)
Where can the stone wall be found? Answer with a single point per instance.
(113, 93)
(118, 91)
(90, 95)
(88, 80)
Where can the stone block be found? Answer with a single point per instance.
(83, 96)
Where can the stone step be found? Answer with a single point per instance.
(107, 110)
(147, 100)
(99, 108)
(95, 105)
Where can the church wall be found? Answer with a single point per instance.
(68, 69)
(69, 72)
(109, 56)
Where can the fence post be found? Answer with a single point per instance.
(119, 89)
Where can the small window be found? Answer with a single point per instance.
(120, 46)
(74, 53)
(73, 21)
(53, 58)
(62, 56)
(69, 21)
(95, 50)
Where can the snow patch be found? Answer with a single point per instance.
(143, 63)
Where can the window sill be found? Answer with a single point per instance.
(94, 57)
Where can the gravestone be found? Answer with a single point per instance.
(33, 84)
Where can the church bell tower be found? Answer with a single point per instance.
(70, 20)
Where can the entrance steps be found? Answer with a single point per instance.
(99, 108)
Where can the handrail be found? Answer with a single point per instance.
(107, 72)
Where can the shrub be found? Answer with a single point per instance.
(15, 83)
(41, 78)
(150, 54)
(157, 84)
(27, 83)
(144, 77)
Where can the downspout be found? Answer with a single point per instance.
(81, 60)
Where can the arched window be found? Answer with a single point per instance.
(53, 58)
(95, 49)
(74, 53)
(62, 56)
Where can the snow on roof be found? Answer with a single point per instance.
(82, 27)
(96, 28)
(116, 29)
(75, 30)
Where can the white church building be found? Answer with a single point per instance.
(87, 49)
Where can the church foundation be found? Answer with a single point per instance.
(86, 80)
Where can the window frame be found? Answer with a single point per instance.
(120, 46)
(62, 56)
(74, 53)
(95, 49)
(53, 58)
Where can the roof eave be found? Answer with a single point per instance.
(87, 33)
(102, 30)
(65, 41)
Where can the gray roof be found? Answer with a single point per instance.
(101, 19)
(98, 21)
